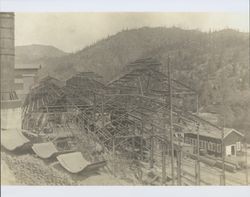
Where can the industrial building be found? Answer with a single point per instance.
(130, 118)
(10, 103)
(25, 78)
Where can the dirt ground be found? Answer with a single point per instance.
(7, 176)
(27, 169)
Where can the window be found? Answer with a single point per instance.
(205, 144)
(218, 148)
(214, 147)
(202, 144)
(210, 146)
(238, 146)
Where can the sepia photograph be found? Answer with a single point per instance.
(125, 98)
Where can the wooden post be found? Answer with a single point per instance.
(171, 126)
(245, 145)
(179, 171)
(223, 176)
(197, 104)
(198, 156)
(141, 139)
(222, 135)
(114, 160)
(151, 152)
(94, 112)
(102, 111)
(163, 163)
(133, 148)
(141, 90)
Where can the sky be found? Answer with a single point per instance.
(73, 31)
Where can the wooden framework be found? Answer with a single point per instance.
(138, 113)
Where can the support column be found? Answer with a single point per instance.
(102, 111)
(151, 152)
(141, 140)
(179, 171)
(223, 175)
(114, 156)
(198, 156)
(170, 120)
(245, 145)
(163, 163)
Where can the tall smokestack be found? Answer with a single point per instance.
(10, 104)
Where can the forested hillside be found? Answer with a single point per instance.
(216, 64)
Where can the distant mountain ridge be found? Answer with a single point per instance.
(108, 56)
(36, 54)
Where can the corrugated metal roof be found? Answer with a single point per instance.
(73, 162)
(13, 139)
(45, 150)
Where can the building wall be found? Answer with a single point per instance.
(10, 104)
(7, 51)
(25, 78)
(213, 145)
(11, 118)
(232, 138)
(209, 144)
(19, 72)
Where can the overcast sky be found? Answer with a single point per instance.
(74, 31)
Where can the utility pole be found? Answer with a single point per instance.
(141, 139)
(198, 155)
(249, 76)
(163, 162)
(197, 104)
(113, 145)
(151, 152)
(94, 111)
(245, 145)
(223, 176)
(179, 171)
(171, 126)
(102, 111)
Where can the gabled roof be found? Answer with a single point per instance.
(144, 75)
(215, 133)
(227, 131)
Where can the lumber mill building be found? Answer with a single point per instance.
(130, 114)
(142, 126)
(135, 123)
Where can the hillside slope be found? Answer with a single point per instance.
(35, 54)
(216, 64)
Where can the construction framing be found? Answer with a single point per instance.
(136, 119)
